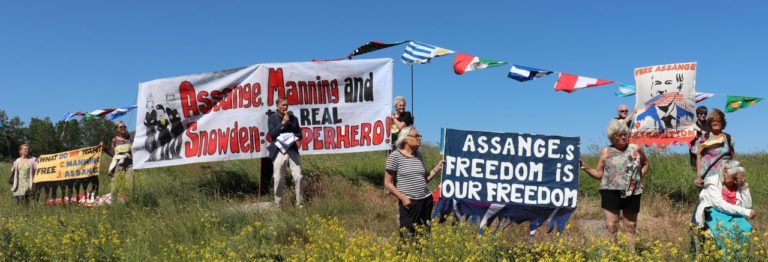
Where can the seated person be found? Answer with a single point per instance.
(729, 202)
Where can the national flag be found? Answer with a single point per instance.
(69, 116)
(465, 63)
(120, 111)
(702, 96)
(734, 103)
(99, 112)
(372, 46)
(665, 99)
(524, 73)
(569, 83)
(422, 53)
(625, 90)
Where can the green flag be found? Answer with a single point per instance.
(738, 102)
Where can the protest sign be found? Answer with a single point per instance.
(342, 107)
(74, 164)
(665, 103)
(524, 177)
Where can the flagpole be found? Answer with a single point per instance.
(413, 101)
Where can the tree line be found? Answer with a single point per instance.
(46, 137)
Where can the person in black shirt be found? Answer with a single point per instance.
(400, 119)
(702, 127)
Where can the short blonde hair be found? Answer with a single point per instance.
(615, 126)
(399, 99)
(404, 132)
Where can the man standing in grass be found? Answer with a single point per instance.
(285, 132)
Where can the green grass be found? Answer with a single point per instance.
(194, 212)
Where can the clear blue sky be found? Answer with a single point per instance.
(66, 56)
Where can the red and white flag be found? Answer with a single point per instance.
(569, 83)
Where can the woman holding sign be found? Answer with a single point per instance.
(407, 164)
(620, 168)
(22, 173)
(120, 169)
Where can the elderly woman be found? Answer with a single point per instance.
(406, 163)
(400, 118)
(714, 147)
(22, 173)
(620, 168)
(725, 203)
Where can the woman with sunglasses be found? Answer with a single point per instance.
(407, 165)
(120, 169)
(620, 169)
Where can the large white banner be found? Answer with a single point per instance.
(342, 107)
(665, 104)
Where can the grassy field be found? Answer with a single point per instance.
(197, 212)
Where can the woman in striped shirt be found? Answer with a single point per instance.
(406, 163)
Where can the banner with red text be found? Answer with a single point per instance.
(342, 107)
(665, 103)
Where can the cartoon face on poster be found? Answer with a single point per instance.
(665, 104)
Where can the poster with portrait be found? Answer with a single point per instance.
(665, 103)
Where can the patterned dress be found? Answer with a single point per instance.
(622, 171)
(715, 150)
(24, 183)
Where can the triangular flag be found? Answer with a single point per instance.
(569, 83)
(120, 111)
(734, 103)
(524, 73)
(465, 63)
(625, 90)
(372, 46)
(69, 116)
(702, 96)
(422, 53)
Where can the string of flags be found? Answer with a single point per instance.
(422, 53)
(108, 113)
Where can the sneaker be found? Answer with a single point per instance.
(49, 202)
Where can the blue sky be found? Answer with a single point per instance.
(66, 56)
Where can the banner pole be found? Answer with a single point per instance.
(413, 100)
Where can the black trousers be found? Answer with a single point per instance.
(418, 214)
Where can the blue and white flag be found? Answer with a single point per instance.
(120, 111)
(524, 73)
(702, 96)
(422, 53)
(625, 90)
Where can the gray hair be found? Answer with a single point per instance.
(404, 132)
(730, 168)
(399, 98)
(615, 126)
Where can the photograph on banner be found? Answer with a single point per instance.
(74, 164)
(342, 107)
(665, 103)
(524, 177)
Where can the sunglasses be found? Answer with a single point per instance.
(622, 111)
(416, 136)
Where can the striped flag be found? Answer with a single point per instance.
(422, 53)
(625, 90)
(69, 116)
(570, 83)
(99, 112)
(120, 111)
(665, 99)
(702, 96)
(466, 62)
(524, 73)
